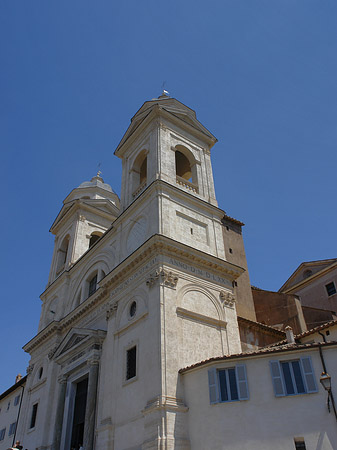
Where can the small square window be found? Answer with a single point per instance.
(33, 416)
(299, 444)
(131, 362)
(12, 428)
(330, 288)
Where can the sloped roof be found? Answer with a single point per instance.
(262, 351)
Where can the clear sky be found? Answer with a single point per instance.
(261, 75)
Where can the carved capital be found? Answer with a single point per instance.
(227, 298)
(93, 361)
(111, 311)
(165, 277)
(52, 351)
(62, 379)
(30, 369)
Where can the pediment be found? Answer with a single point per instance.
(170, 106)
(76, 341)
(305, 271)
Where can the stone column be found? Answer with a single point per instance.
(59, 413)
(89, 422)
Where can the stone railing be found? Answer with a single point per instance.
(187, 184)
(139, 189)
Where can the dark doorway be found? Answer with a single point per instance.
(79, 414)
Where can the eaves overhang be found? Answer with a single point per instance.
(286, 348)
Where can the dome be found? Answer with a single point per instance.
(96, 181)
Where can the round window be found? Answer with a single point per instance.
(133, 309)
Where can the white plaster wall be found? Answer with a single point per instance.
(9, 416)
(264, 421)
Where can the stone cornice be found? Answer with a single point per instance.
(69, 320)
(78, 204)
(134, 130)
(159, 244)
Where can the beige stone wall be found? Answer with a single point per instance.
(235, 253)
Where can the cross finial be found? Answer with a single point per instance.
(99, 173)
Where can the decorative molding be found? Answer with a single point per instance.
(165, 277)
(227, 299)
(111, 311)
(62, 379)
(81, 218)
(52, 351)
(165, 402)
(30, 369)
(201, 318)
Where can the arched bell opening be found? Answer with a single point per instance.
(139, 173)
(186, 171)
(62, 254)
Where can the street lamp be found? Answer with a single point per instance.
(325, 381)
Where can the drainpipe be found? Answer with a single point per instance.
(330, 394)
(17, 419)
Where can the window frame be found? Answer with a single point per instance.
(307, 376)
(331, 291)
(215, 386)
(33, 416)
(17, 400)
(2, 434)
(12, 428)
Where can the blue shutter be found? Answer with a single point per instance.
(276, 374)
(213, 386)
(241, 378)
(309, 377)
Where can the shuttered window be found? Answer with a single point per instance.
(293, 377)
(228, 385)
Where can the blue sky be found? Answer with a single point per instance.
(261, 76)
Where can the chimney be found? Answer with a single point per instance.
(18, 377)
(289, 335)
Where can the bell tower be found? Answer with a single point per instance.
(165, 141)
(87, 212)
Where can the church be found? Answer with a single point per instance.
(145, 335)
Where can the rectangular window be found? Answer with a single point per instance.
(8, 405)
(12, 427)
(228, 385)
(131, 359)
(299, 444)
(33, 417)
(2, 434)
(293, 377)
(92, 285)
(330, 288)
(16, 400)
